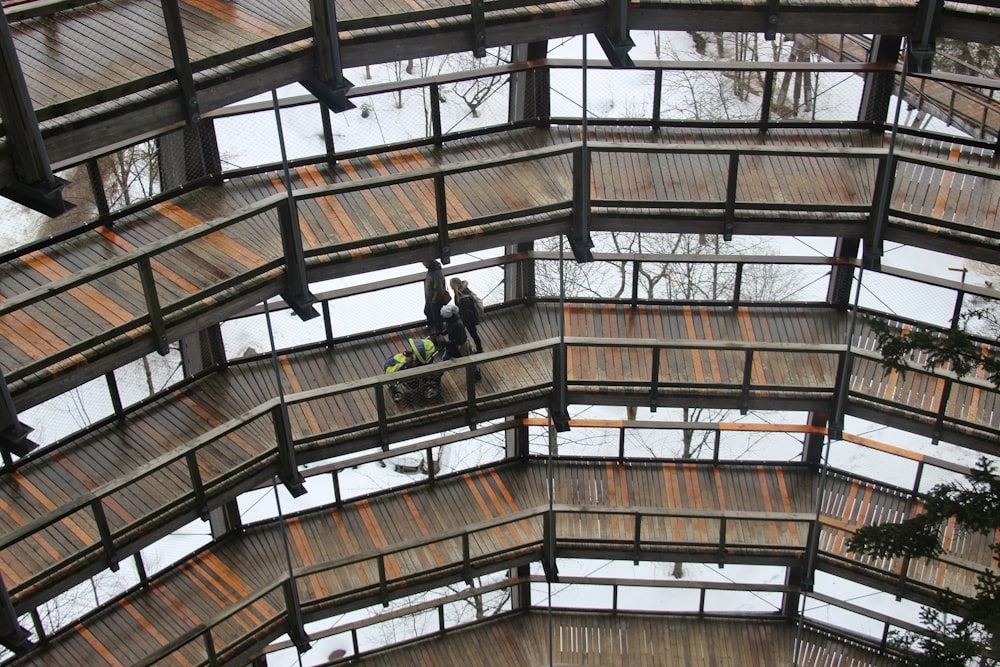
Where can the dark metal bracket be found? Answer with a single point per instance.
(329, 85)
(616, 40)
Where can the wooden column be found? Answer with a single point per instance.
(36, 186)
(202, 350)
(879, 86)
(838, 292)
(519, 277)
(182, 62)
(530, 91)
(328, 85)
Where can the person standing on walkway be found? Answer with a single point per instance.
(470, 309)
(453, 336)
(435, 295)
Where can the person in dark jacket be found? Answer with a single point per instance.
(435, 294)
(453, 335)
(467, 309)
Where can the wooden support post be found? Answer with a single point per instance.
(383, 428)
(765, 101)
(213, 658)
(471, 413)
(101, 519)
(559, 408)
(878, 89)
(97, 187)
(871, 257)
(579, 236)
(516, 438)
(771, 28)
(12, 635)
(530, 91)
(838, 294)
(113, 391)
(942, 409)
(920, 47)
(478, 28)
(654, 380)
(466, 560)
(328, 143)
(738, 286)
(722, 542)
(519, 277)
(790, 599)
(288, 471)
(436, 131)
(549, 547)
(729, 217)
(637, 539)
(296, 292)
(520, 593)
(296, 622)
(203, 350)
(225, 520)
(36, 186)
(182, 62)
(441, 207)
(328, 85)
(657, 99)
(13, 434)
(835, 430)
(745, 389)
(812, 446)
(615, 40)
(148, 281)
(197, 487)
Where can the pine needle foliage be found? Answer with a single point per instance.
(961, 632)
(954, 348)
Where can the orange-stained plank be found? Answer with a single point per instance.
(231, 14)
(101, 650)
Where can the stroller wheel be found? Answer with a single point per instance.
(432, 390)
(396, 395)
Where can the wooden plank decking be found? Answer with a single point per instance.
(82, 70)
(627, 640)
(336, 549)
(73, 311)
(137, 468)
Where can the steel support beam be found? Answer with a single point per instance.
(530, 91)
(13, 434)
(328, 85)
(35, 185)
(616, 40)
(12, 635)
(920, 48)
(878, 90)
(579, 237)
(182, 61)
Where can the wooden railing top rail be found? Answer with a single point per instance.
(377, 383)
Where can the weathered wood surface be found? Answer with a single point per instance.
(67, 309)
(137, 468)
(207, 584)
(628, 640)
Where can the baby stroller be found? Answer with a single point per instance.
(419, 352)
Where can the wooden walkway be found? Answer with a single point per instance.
(138, 470)
(628, 640)
(90, 87)
(391, 544)
(76, 310)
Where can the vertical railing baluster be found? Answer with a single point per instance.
(148, 282)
